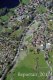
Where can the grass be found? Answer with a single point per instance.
(1, 29)
(4, 18)
(29, 39)
(16, 33)
(51, 57)
(25, 1)
(50, 25)
(35, 25)
(6, 30)
(41, 9)
(50, 16)
(27, 66)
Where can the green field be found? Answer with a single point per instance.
(4, 18)
(41, 9)
(16, 33)
(27, 66)
(25, 1)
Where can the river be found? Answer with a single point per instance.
(8, 3)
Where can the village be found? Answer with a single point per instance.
(19, 24)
